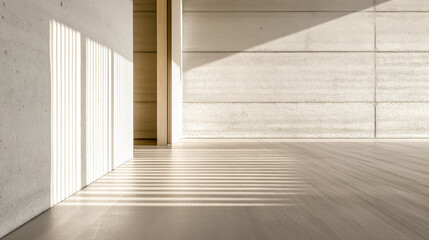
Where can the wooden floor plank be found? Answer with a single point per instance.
(252, 189)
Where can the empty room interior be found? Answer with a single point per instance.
(214, 119)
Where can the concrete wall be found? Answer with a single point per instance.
(25, 91)
(306, 69)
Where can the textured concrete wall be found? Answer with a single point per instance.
(306, 69)
(25, 98)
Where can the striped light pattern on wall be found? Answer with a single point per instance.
(108, 100)
(123, 109)
(98, 110)
(65, 51)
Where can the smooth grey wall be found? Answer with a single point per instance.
(306, 69)
(25, 98)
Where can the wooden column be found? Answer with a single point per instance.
(169, 77)
(162, 72)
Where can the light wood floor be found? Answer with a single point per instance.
(252, 189)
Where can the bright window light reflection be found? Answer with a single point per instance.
(109, 111)
(123, 109)
(98, 110)
(176, 178)
(65, 59)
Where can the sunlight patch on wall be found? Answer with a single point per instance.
(108, 100)
(123, 109)
(98, 110)
(65, 50)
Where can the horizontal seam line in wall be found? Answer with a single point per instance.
(291, 138)
(371, 102)
(381, 51)
(144, 51)
(278, 11)
(309, 138)
(402, 11)
(357, 11)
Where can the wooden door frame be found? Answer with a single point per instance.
(169, 71)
